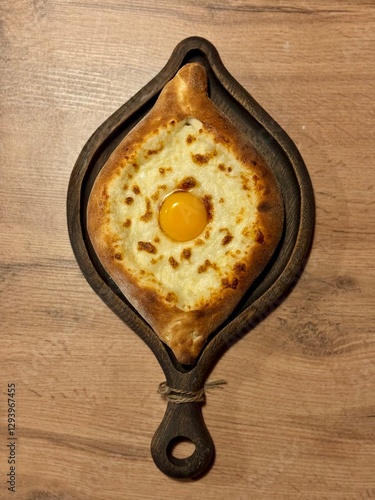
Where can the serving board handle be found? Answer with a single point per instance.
(182, 422)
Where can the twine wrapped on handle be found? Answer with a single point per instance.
(179, 396)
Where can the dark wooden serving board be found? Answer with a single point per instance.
(185, 420)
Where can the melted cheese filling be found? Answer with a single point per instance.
(183, 156)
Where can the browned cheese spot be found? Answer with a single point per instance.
(127, 223)
(187, 183)
(158, 259)
(171, 297)
(246, 232)
(157, 239)
(190, 139)
(202, 159)
(125, 187)
(173, 262)
(240, 216)
(129, 200)
(229, 284)
(103, 201)
(221, 200)
(155, 196)
(245, 183)
(136, 189)
(164, 170)
(207, 264)
(222, 167)
(207, 234)
(186, 253)
(146, 246)
(151, 152)
(207, 200)
(148, 214)
(199, 242)
(227, 238)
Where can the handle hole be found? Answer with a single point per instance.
(180, 448)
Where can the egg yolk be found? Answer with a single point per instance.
(182, 216)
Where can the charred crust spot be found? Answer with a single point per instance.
(118, 256)
(229, 284)
(186, 253)
(264, 206)
(190, 139)
(105, 194)
(148, 214)
(146, 246)
(199, 242)
(129, 200)
(125, 187)
(163, 187)
(171, 297)
(136, 167)
(187, 183)
(157, 239)
(207, 234)
(130, 176)
(221, 167)
(173, 262)
(207, 200)
(239, 267)
(254, 163)
(259, 237)
(221, 200)
(172, 122)
(127, 223)
(136, 189)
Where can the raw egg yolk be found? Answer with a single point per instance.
(182, 216)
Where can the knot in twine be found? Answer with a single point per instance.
(179, 396)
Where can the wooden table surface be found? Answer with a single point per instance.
(296, 419)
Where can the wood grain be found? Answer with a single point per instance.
(296, 418)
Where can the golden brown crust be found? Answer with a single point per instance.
(186, 331)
